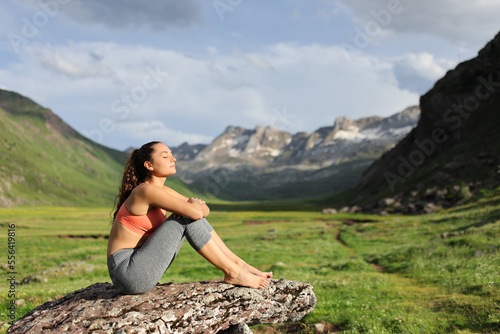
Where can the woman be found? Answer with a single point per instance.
(143, 242)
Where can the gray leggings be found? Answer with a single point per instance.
(138, 270)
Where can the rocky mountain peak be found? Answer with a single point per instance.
(186, 151)
(270, 147)
(404, 118)
(232, 130)
(239, 145)
(342, 123)
(240, 163)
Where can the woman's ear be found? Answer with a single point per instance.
(148, 165)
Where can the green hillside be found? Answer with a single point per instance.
(43, 161)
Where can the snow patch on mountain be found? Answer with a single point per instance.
(272, 148)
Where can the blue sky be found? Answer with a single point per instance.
(127, 72)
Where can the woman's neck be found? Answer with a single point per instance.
(157, 181)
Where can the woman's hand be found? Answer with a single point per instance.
(204, 206)
(196, 200)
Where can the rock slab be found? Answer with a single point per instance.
(195, 307)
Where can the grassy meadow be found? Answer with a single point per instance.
(436, 273)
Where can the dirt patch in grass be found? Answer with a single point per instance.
(84, 236)
(297, 328)
(357, 221)
(263, 222)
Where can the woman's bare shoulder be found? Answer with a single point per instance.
(148, 191)
(174, 193)
(143, 187)
(139, 197)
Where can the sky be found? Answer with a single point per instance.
(127, 72)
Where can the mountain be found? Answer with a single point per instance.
(45, 162)
(454, 151)
(267, 163)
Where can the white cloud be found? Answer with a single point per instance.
(73, 63)
(418, 72)
(469, 22)
(122, 94)
(257, 62)
(140, 132)
(426, 65)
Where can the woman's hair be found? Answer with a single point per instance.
(135, 173)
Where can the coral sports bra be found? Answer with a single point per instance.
(144, 224)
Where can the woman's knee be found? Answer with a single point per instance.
(203, 221)
(207, 225)
(197, 235)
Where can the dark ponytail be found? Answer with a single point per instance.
(135, 173)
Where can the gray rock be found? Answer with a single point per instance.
(385, 202)
(430, 207)
(196, 307)
(354, 209)
(34, 279)
(344, 209)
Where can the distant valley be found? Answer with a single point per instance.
(437, 154)
(267, 163)
(46, 162)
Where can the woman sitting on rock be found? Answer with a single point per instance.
(143, 242)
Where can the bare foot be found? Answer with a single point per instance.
(257, 272)
(245, 278)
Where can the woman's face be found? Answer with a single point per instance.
(162, 163)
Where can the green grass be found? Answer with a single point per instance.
(371, 274)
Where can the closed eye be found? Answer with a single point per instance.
(167, 154)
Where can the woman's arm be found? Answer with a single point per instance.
(206, 209)
(174, 193)
(156, 196)
(204, 206)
